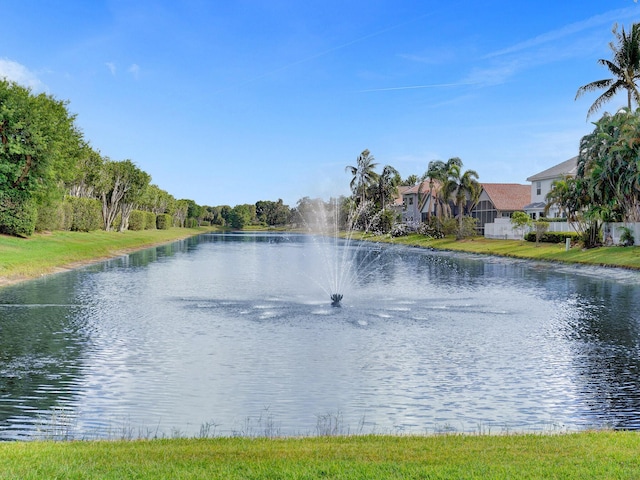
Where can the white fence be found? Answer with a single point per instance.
(502, 228)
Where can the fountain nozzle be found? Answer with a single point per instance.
(336, 298)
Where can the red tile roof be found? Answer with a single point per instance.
(508, 196)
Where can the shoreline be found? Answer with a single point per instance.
(625, 258)
(106, 254)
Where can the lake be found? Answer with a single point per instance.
(234, 334)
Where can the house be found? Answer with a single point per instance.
(541, 185)
(499, 200)
(415, 199)
(420, 200)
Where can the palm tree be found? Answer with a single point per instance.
(387, 185)
(437, 171)
(625, 67)
(363, 174)
(463, 188)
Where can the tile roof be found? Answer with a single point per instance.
(508, 196)
(402, 189)
(568, 167)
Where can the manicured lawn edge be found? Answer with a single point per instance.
(591, 455)
(46, 253)
(620, 257)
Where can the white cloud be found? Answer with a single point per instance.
(18, 73)
(134, 70)
(112, 67)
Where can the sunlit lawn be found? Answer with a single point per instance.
(592, 455)
(628, 257)
(40, 254)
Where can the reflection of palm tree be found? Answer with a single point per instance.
(463, 188)
(625, 68)
(363, 174)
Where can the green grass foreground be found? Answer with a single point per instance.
(567, 456)
(41, 254)
(626, 257)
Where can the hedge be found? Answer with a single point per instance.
(553, 237)
(86, 214)
(137, 220)
(18, 214)
(149, 221)
(164, 221)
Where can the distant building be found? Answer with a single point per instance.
(499, 200)
(541, 185)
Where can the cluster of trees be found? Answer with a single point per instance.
(453, 191)
(52, 179)
(606, 187)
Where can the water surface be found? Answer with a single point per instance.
(234, 335)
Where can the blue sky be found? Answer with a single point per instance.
(238, 101)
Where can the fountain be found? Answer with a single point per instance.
(332, 227)
(336, 298)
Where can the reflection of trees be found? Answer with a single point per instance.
(607, 351)
(41, 346)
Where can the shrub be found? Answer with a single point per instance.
(137, 220)
(468, 229)
(164, 221)
(431, 229)
(191, 223)
(149, 221)
(400, 230)
(18, 214)
(50, 216)
(85, 214)
(206, 223)
(553, 237)
(627, 237)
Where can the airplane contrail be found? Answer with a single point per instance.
(413, 87)
(324, 52)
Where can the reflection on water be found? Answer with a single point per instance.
(236, 331)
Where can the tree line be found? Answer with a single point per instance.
(51, 178)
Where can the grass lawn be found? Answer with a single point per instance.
(627, 257)
(44, 253)
(593, 455)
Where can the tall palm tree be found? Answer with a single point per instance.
(463, 188)
(437, 171)
(625, 68)
(387, 185)
(363, 174)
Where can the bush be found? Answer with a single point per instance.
(149, 221)
(431, 229)
(469, 228)
(137, 220)
(191, 223)
(400, 230)
(85, 214)
(164, 221)
(627, 239)
(553, 237)
(18, 214)
(50, 217)
(206, 223)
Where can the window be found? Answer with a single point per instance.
(538, 188)
(410, 200)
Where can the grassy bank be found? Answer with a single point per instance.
(41, 254)
(627, 257)
(584, 455)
